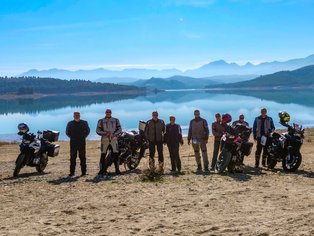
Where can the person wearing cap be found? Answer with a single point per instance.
(241, 121)
(173, 139)
(77, 130)
(198, 133)
(263, 126)
(154, 132)
(109, 128)
(218, 130)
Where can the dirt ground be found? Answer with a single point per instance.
(256, 202)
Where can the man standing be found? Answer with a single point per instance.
(263, 126)
(173, 137)
(109, 128)
(218, 130)
(198, 133)
(77, 130)
(154, 131)
(241, 121)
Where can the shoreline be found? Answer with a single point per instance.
(95, 137)
(14, 96)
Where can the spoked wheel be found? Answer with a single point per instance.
(43, 163)
(18, 164)
(223, 161)
(133, 161)
(292, 161)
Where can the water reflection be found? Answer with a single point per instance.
(55, 112)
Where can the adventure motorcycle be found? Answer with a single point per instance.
(131, 146)
(34, 150)
(285, 148)
(235, 146)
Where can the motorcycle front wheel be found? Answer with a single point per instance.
(18, 164)
(134, 161)
(222, 161)
(43, 163)
(271, 162)
(292, 162)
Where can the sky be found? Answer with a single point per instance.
(183, 34)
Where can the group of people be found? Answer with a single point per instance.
(158, 134)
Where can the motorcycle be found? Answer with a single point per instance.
(35, 150)
(285, 148)
(131, 146)
(234, 146)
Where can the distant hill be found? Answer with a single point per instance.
(300, 78)
(174, 82)
(215, 68)
(30, 85)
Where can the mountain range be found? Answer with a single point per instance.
(230, 71)
(302, 78)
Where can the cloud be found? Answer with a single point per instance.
(190, 35)
(192, 3)
(61, 26)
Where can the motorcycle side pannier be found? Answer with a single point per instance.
(51, 136)
(141, 125)
(53, 150)
(247, 148)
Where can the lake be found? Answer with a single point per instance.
(54, 112)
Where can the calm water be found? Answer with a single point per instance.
(54, 113)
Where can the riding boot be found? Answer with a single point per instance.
(264, 158)
(257, 159)
(151, 164)
(116, 163)
(161, 168)
(102, 169)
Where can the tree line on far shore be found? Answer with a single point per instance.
(30, 85)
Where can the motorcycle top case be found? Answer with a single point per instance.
(51, 136)
(53, 150)
(247, 148)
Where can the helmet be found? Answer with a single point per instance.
(23, 128)
(226, 118)
(284, 117)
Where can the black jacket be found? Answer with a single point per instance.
(77, 131)
(154, 130)
(173, 134)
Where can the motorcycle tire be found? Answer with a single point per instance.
(271, 163)
(18, 165)
(231, 167)
(294, 164)
(43, 163)
(105, 159)
(133, 162)
(222, 161)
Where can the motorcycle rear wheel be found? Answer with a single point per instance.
(292, 165)
(222, 161)
(43, 163)
(18, 165)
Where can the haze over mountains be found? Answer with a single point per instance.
(225, 71)
(302, 78)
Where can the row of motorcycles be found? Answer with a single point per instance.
(285, 148)
(35, 149)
